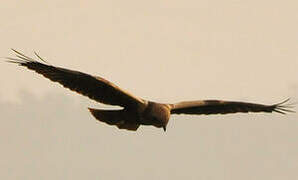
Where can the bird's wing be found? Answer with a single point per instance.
(225, 107)
(95, 88)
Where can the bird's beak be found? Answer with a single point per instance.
(164, 128)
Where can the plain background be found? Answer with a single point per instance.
(164, 51)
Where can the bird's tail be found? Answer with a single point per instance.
(118, 118)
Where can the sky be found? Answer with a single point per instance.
(165, 51)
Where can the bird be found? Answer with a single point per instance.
(134, 111)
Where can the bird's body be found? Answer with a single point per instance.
(154, 114)
(136, 111)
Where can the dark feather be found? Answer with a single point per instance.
(225, 107)
(95, 88)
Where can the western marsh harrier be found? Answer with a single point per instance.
(136, 111)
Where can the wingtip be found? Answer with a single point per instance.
(13, 50)
(39, 57)
(284, 101)
(18, 53)
(14, 60)
(284, 107)
(22, 58)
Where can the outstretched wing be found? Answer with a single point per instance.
(225, 107)
(95, 88)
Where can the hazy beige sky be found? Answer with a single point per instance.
(185, 50)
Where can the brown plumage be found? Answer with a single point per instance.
(136, 111)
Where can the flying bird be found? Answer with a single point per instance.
(135, 111)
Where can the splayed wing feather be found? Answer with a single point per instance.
(37, 55)
(95, 88)
(225, 107)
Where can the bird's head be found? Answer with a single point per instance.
(159, 115)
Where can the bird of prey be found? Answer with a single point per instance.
(135, 111)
